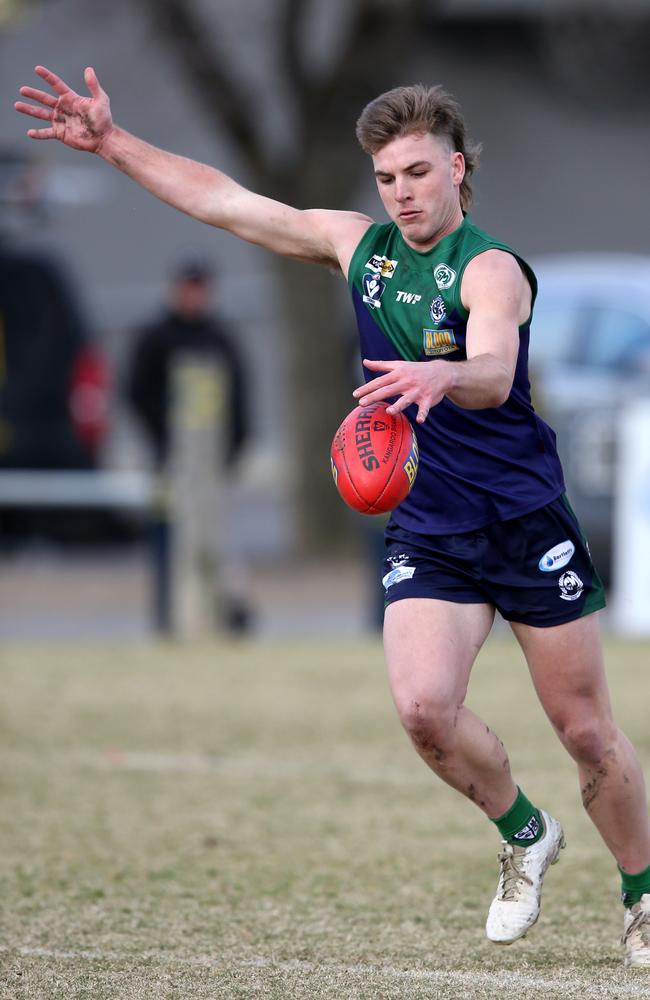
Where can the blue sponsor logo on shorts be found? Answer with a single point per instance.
(557, 557)
(397, 575)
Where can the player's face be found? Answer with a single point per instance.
(419, 179)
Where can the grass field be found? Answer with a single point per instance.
(250, 821)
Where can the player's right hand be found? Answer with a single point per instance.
(79, 122)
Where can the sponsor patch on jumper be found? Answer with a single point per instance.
(397, 575)
(444, 276)
(373, 288)
(382, 265)
(437, 309)
(571, 586)
(409, 297)
(557, 557)
(437, 342)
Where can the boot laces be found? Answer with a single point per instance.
(640, 922)
(511, 876)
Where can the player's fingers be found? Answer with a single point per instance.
(55, 82)
(400, 404)
(31, 109)
(423, 412)
(41, 133)
(92, 82)
(381, 382)
(38, 95)
(372, 394)
(379, 366)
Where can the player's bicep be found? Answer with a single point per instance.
(315, 235)
(497, 295)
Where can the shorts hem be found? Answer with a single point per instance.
(451, 599)
(558, 620)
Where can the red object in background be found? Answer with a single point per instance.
(88, 397)
(374, 459)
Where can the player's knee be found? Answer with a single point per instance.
(588, 741)
(429, 723)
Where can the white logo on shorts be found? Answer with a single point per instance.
(397, 575)
(557, 557)
(571, 586)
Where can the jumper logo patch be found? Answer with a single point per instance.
(557, 557)
(373, 288)
(444, 276)
(382, 265)
(437, 309)
(571, 586)
(408, 297)
(437, 342)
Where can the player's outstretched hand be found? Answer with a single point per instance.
(79, 122)
(413, 382)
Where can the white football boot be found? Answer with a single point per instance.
(636, 933)
(515, 908)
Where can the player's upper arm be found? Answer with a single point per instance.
(317, 235)
(497, 295)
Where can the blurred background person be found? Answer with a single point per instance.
(187, 325)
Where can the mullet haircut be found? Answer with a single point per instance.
(420, 110)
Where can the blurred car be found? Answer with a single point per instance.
(54, 387)
(589, 354)
(53, 378)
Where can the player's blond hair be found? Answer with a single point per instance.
(407, 110)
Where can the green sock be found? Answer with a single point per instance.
(634, 886)
(522, 823)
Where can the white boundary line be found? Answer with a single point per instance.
(567, 985)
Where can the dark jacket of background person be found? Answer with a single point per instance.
(174, 333)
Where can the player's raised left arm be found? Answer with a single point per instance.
(85, 123)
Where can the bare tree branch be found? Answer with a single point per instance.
(290, 38)
(186, 37)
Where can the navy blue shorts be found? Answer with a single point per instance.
(534, 569)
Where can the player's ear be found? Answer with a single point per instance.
(457, 167)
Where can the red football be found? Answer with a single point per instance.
(374, 459)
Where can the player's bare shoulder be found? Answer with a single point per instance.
(341, 231)
(496, 275)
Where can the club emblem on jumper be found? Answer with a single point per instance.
(382, 265)
(444, 276)
(571, 586)
(373, 288)
(437, 342)
(437, 309)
